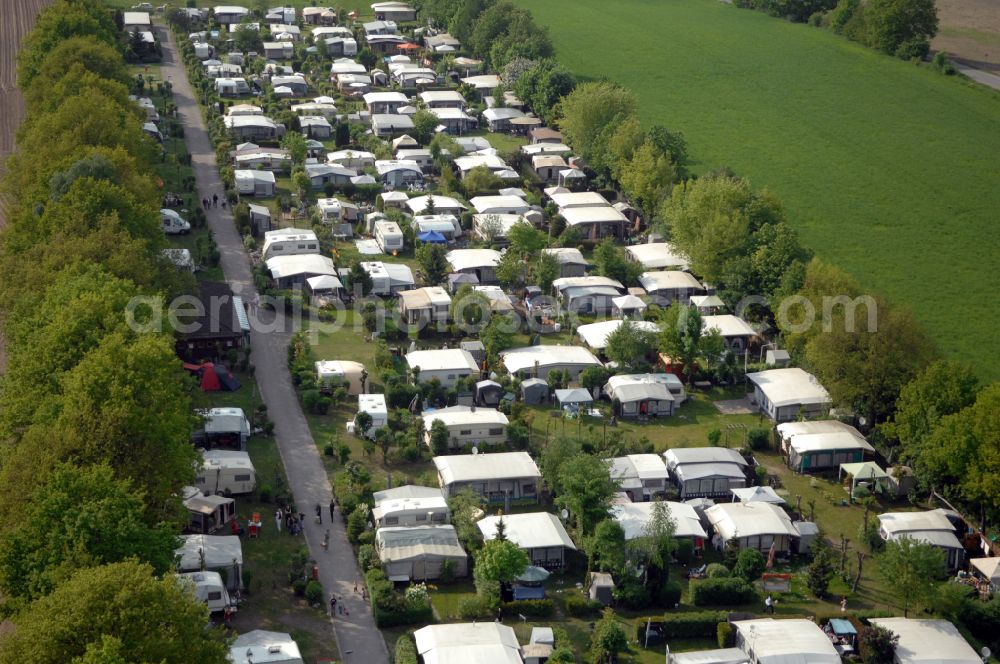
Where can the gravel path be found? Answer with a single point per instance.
(357, 637)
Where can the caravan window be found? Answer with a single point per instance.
(214, 596)
(392, 520)
(465, 432)
(497, 431)
(241, 478)
(421, 517)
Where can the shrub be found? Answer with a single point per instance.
(725, 636)
(406, 650)
(328, 450)
(759, 439)
(357, 522)
(391, 608)
(264, 493)
(247, 577)
(691, 625)
(475, 607)
(632, 594)
(717, 571)
(722, 592)
(314, 592)
(670, 594)
(368, 558)
(580, 606)
(299, 587)
(750, 564)
(541, 608)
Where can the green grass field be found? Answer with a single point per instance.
(889, 170)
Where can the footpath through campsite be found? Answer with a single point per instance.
(358, 639)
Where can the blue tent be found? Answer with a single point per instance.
(433, 237)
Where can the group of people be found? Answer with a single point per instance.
(213, 202)
(294, 522)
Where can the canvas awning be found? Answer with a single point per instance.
(432, 237)
(759, 494)
(862, 472)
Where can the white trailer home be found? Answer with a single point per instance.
(227, 472)
(208, 588)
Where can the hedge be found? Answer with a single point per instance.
(725, 634)
(406, 650)
(730, 591)
(391, 608)
(474, 608)
(687, 625)
(541, 608)
(579, 606)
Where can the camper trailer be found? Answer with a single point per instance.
(208, 588)
(226, 472)
(173, 223)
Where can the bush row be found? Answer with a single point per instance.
(688, 625)
(391, 608)
(726, 591)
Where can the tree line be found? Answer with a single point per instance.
(95, 417)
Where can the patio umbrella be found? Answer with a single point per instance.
(534, 574)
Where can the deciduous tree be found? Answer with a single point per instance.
(586, 490)
(912, 570)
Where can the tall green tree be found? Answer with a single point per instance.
(498, 564)
(629, 345)
(81, 517)
(608, 639)
(912, 569)
(433, 264)
(586, 490)
(154, 620)
(424, 124)
(609, 261)
(606, 549)
(901, 27)
(646, 178)
(590, 114)
(683, 337)
(58, 23)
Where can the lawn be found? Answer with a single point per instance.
(887, 169)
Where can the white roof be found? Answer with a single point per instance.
(450, 114)
(432, 96)
(817, 442)
(411, 542)
(640, 387)
(928, 641)
(528, 531)
(579, 199)
(728, 325)
(575, 216)
(988, 567)
(221, 420)
(585, 282)
(253, 175)
(749, 519)
(375, 97)
(407, 491)
(135, 18)
(520, 359)
(696, 455)
(788, 430)
(287, 266)
(244, 109)
(758, 494)
(641, 466)
(324, 282)
(502, 113)
(462, 643)
(567, 255)
(219, 551)
(338, 368)
(657, 255)
(789, 386)
(480, 467)
(596, 335)
(898, 523)
(443, 359)
(720, 656)
(707, 301)
(490, 161)
(499, 300)
(384, 166)
(484, 204)
(504, 222)
(483, 81)
(792, 641)
(237, 121)
(265, 647)
(233, 459)
(290, 234)
(668, 280)
(423, 504)
(373, 404)
(634, 517)
(464, 415)
(425, 298)
(465, 259)
(419, 204)
(627, 302)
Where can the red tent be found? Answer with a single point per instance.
(209, 379)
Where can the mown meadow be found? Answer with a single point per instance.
(889, 170)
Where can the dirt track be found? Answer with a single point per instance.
(16, 19)
(970, 31)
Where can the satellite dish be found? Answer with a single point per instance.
(475, 450)
(985, 652)
(565, 514)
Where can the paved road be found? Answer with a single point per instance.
(357, 637)
(978, 75)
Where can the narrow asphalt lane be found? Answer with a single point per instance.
(357, 637)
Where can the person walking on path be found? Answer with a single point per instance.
(333, 606)
(215, 200)
(278, 519)
(769, 605)
(319, 513)
(333, 505)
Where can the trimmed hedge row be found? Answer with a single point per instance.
(541, 608)
(579, 606)
(688, 625)
(726, 591)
